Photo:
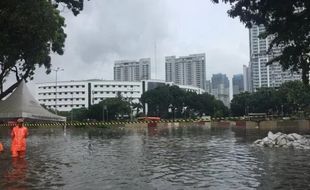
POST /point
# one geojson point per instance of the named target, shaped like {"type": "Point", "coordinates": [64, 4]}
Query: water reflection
{"type": "Point", "coordinates": [15, 178]}
{"type": "Point", "coordinates": [156, 158]}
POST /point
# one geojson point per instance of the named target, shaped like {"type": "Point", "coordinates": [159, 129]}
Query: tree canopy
{"type": "Point", "coordinates": [288, 21]}
{"type": "Point", "coordinates": [30, 30]}
{"type": "Point", "coordinates": [288, 99]}
{"type": "Point", "coordinates": [168, 101]}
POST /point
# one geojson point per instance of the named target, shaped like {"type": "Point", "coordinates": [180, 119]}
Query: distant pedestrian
{"type": "Point", "coordinates": [19, 134]}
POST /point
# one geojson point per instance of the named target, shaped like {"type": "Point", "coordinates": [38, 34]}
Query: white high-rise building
{"type": "Point", "coordinates": [247, 83]}
{"type": "Point", "coordinates": [187, 70]}
{"type": "Point", "coordinates": [220, 88]}
{"type": "Point", "coordinates": [261, 74]}
{"type": "Point", "coordinates": [125, 70]}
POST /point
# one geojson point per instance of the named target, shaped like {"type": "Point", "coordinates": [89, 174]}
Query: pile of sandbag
{"type": "Point", "coordinates": [279, 139]}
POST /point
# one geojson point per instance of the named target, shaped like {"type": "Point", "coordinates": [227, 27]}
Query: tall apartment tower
{"type": "Point", "coordinates": [125, 70]}
{"type": "Point", "coordinates": [187, 70]}
{"type": "Point", "coordinates": [247, 82]}
{"type": "Point", "coordinates": [238, 84]}
{"type": "Point", "coordinates": [220, 88]}
{"type": "Point", "coordinates": [261, 74]}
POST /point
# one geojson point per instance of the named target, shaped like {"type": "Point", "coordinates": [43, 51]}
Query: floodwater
{"type": "Point", "coordinates": [167, 158]}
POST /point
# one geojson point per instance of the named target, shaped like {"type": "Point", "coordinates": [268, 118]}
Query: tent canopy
{"type": "Point", "coordinates": [21, 103]}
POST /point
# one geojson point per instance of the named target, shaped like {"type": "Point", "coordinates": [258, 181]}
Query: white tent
{"type": "Point", "coordinates": [21, 104]}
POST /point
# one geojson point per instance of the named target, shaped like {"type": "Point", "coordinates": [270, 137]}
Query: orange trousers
{"type": "Point", "coordinates": [20, 154]}
{"type": "Point", "coordinates": [1, 147]}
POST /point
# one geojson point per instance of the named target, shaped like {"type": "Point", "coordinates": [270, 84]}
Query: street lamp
{"type": "Point", "coordinates": [56, 71]}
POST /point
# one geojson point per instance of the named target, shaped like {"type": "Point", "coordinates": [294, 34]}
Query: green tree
{"type": "Point", "coordinates": [294, 96]}
{"type": "Point", "coordinates": [240, 104]}
{"type": "Point", "coordinates": [287, 99]}
{"type": "Point", "coordinates": [288, 21]}
{"type": "Point", "coordinates": [30, 30]}
{"type": "Point", "coordinates": [182, 103]}
{"type": "Point", "coordinates": [80, 114]}
{"type": "Point", "coordinates": [115, 107]}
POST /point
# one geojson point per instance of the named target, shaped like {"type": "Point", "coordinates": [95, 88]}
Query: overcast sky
{"type": "Point", "coordinates": [109, 30]}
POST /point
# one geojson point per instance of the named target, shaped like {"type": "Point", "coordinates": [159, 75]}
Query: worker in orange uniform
{"type": "Point", "coordinates": [1, 147]}
{"type": "Point", "coordinates": [19, 134]}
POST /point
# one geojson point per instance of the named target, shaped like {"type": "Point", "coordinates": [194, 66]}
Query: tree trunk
{"type": "Point", "coordinates": [9, 90]}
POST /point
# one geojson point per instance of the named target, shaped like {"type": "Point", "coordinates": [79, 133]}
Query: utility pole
{"type": "Point", "coordinates": [56, 71]}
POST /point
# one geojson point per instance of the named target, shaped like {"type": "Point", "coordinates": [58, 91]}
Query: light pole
{"type": "Point", "coordinates": [56, 71]}
{"type": "Point", "coordinates": [72, 107]}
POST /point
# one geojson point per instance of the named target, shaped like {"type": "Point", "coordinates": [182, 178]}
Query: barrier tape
{"type": "Point", "coordinates": [108, 123]}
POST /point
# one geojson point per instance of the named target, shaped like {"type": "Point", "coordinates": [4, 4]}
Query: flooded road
{"type": "Point", "coordinates": [170, 158]}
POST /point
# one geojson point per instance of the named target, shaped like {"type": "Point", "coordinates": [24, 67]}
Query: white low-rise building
{"type": "Point", "coordinates": [79, 94]}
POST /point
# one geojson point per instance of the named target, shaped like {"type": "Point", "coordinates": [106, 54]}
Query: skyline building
{"type": "Point", "coordinates": [131, 70]}
{"type": "Point", "coordinates": [220, 88]}
{"type": "Point", "coordinates": [261, 74]}
{"type": "Point", "coordinates": [247, 83]}
{"type": "Point", "coordinates": [186, 70]}
{"type": "Point", "coordinates": [208, 86]}
{"type": "Point", "coordinates": [238, 84]}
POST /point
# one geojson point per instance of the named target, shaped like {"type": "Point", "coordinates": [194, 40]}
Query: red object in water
{"type": "Point", "coordinates": [152, 121]}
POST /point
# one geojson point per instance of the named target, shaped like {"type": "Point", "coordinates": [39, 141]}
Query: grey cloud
{"type": "Point", "coordinates": [108, 30]}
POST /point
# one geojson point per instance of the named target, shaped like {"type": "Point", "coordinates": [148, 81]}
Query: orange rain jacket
{"type": "Point", "coordinates": [19, 135]}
